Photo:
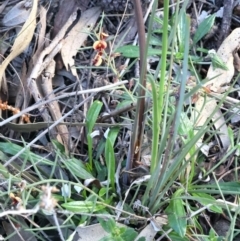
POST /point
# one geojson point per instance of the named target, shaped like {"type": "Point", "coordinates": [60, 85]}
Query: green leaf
{"type": "Point", "coordinates": [110, 155]}
{"type": "Point", "coordinates": [141, 239]}
{"type": "Point", "coordinates": [131, 51]}
{"type": "Point", "coordinates": [159, 22]}
{"type": "Point", "coordinates": [58, 146]}
{"type": "Point", "coordinates": [203, 28]}
{"type": "Point", "coordinates": [226, 188]}
{"type": "Point", "coordinates": [5, 172]}
{"type": "Point", "coordinates": [231, 135]}
{"type": "Point", "coordinates": [107, 224]}
{"type": "Point", "coordinates": [176, 237]}
{"type": "Point", "coordinates": [90, 151]}
{"type": "Point", "coordinates": [77, 168]}
{"type": "Point", "coordinates": [112, 134]}
{"type": "Point", "coordinates": [108, 238]}
{"type": "Point", "coordinates": [93, 114]}
{"type": "Point", "coordinates": [155, 41]}
{"type": "Point", "coordinates": [206, 199]}
{"type": "Point", "coordinates": [110, 161]}
{"type": "Point", "coordinates": [13, 149]}
{"type": "Point", "coordinates": [91, 119]}
{"type": "Point", "coordinates": [82, 206]}
{"type": "Point", "coordinates": [124, 103]}
{"type": "Point", "coordinates": [176, 214]}
{"type": "Point", "coordinates": [181, 33]}
{"type": "Point", "coordinates": [217, 61]}
{"type": "Point", "coordinates": [186, 126]}
{"type": "Point", "coordinates": [129, 234]}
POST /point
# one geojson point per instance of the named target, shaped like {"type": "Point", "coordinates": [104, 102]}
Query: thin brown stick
{"type": "Point", "coordinates": [136, 139]}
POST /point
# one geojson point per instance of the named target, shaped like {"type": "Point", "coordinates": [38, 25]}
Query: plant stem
{"type": "Point", "coordinates": [138, 127]}
{"type": "Point", "coordinates": [161, 85]}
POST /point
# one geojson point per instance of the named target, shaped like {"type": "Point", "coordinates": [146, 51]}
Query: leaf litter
{"type": "Point", "coordinates": [54, 71]}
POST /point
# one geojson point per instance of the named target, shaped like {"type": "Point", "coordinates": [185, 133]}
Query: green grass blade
{"type": "Point", "coordinates": [203, 28]}
{"type": "Point", "coordinates": [77, 168]}
{"type": "Point", "coordinates": [110, 157]}
{"type": "Point", "coordinates": [93, 114]}
{"type": "Point", "coordinates": [91, 119]}
{"type": "Point", "coordinates": [155, 126]}
{"type": "Point", "coordinates": [176, 214]}
{"type": "Point", "coordinates": [13, 149]}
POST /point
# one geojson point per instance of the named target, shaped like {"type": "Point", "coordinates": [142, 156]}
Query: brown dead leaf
{"type": "Point", "coordinates": [219, 77]}
{"type": "Point", "coordinates": [77, 36]}
{"type": "Point", "coordinates": [21, 42]}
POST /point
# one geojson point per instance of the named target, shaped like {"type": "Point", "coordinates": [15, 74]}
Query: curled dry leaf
{"type": "Point", "coordinates": [22, 41]}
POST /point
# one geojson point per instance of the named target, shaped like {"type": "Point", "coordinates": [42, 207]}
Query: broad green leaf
{"type": "Point", "coordinates": [107, 224]}
{"type": "Point", "coordinates": [110, 155]}
{"type": "Point", "coordinates": [206, 199]}
{"type": "Point", "coordinates": [102, 191]}
{"type": "Point", "coordinates": [203, 28]}
{"type": "Point", "coordinates": [93, 114]}
{"type": "Point", "coordinates": [112, 135]}
{"type": "Point", "coordinates": [77, 168]}
{"type": "Point", "coordinates": [129, 234]}
{"type": "Point", "coordinates": [82, 206]}
{"type": "Point", "coordinates": [176, 214]}
{"type": "Point", "coordinates": [155, 41]}
{"type": "Point", "coordinates": [13, 149]}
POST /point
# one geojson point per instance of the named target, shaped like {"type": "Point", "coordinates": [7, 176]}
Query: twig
{"type": "Point", "coordinates": [46, 131]}
{"type": "Point", "coordinates": [51, 50]}
{"type": "Point", "coordinates": [136, 139]}
{"type": "Point", "coordinates": [20, 212]}
{"type": "Point", "coordinates": [41, 102]}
